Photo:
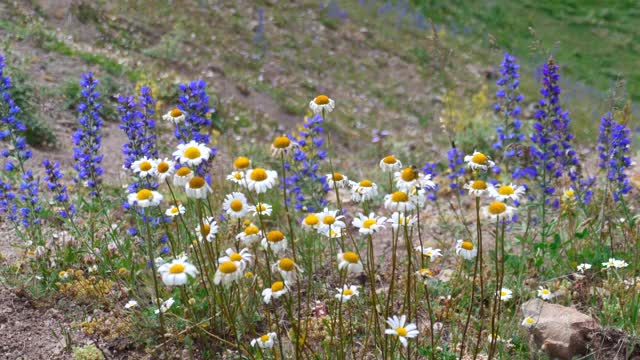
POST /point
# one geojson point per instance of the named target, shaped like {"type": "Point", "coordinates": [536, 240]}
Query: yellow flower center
{"type": "Point", "coordinates": [529, 320]}
{"type": "Point", "coordinates": [321, 100]}
{"type": "Point", "coordinates": [408, 174]}
{"type": "Point", "coordinates": [424, 271]}
{"type": "Point", "coordinates": [503, 293]}
{"type": "Point", "coordinates": [479, 158]}
{"type": "Point", "coordinates": [366, 183]}
{"type": "Point", "coordinates": [286, 264]}
{"type": "Point", "coordinates": [175, 113]}
{"type": "Point", "coordinates": [401, 331]}
{"type": "Point", "coordinates": [390, 160]}
{"type": "Point", "coordinates": [328, 220]}
{"type": "Point", "coordinates": [248, 274]}
{"type": "Point", "coordinates": [479, 185]}
{"type": "Point", "coordinates": [399, 196]}
{"type": "Point", "coordinates": [368, 223]}
{"type": "Point", "coordinates": [162, 167]}
{"type": "Point", "coordinates": [545, 292]}
{"type": "Point", "coordinates": [236, 205]}
{"type": "Point", "coordinates": [251, 230]}
{"type": "Point", "coordinates": [275, 236]}
{"type": "Point", "coordinates": [174, 210]}
{"type": "Point", "coordinates": [311, 220]}
{"type": "Point", "coordinates": [467, 245]}
{"type": "Point", "coordinates": [281, 142]}
{"type": "Point", "coordinates": [235, 257]}
{"type": "Point", "coordinates": [260, 208]}
{"type": "Point", "coordinates": [192, 152]}
{"type": "Point", "coordinates": [241, 162]}
{"type": "Point", "coordinates": [237, 175]}
{"type": "Point", "coordinates": [183, 171]}
{"type": "Point", "coordinates": [228, 267]}
{"type": "Point", "coordinates": [347, 292]}
{"type": "Point", "coordinates": [145, 166]}
{"type": "Point", "coordinates": [569, 193]}
{"type": "Point", "coordinates": [505, 190]}
{"type": "Point", "coordinates": [176, 269]}
{"type": "Point", "coordinates": [196, 183]}
{"type": "Point", "coordinates": [205, 229]}
{"type": "Point", "coordinates": [337, 176]}
{"type": "Point", "coordinates": [259, 174]}
{"type": "Point", "coordinates": [277, 286]}
{"type": "Point", "coordinates": [351, 257]}
{"type": "Point", "coordinates": [497, 208]}
{"type": "Point", "coordinates": [264, 338]}
{"type": "Point", "coordinates": [144, 194]}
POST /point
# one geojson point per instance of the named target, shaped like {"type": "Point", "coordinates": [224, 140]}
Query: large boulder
{"type": "Point", "coordinates": [560, 331]}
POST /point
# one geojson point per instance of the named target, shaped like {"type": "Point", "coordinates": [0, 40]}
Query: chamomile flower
{"type": "Point", "coordinates": [227, 273]}
{"type": "Point", "coordinates": [398, 219]}
{"type": "Point", "coordinates": [505, 294]}
{"type": "Point", "coordinates": [143, 167]}
{"type": "Point", "coordinates": [144, 198]}
{"type": "Point", "coordinates": [568, 195]}
{"type": "Point", "coordinates": [174, 211]}
{"type": "Point", "coordinates": [130, 304]}
{"type": "Point", "coordinates": [498, 210]}
{"type": "Point", "coordinates": [165, 306]}
{"type": "Point", "coordinates": [369, 224]}
{"type": "Point", "coordinates": [235, 205]}
{"type": "Point", "coordinates": [192, 153]}
{"type": "Point", "coordinates": [243, 258]}
{"type": "Point", "coordinates": [544, 293]}
{"type": "Point", "coordinates": [236, 177]}
{"type": "Point", "coordinates": [275, 240]}
{"type": "Point", "coordinates": [249, 235]}
{"type": "Point", "coordinates": [399, 201]}
{"type": "Point", "coordinates": [477, 187]}
{"type": "Point", "coordinates": [241, 163]}
{"type": "Point", "coordinates": [281, 145]}
{"type": "Point", "coordinates": [207, 230]}
{"type": "Point", "coordinates": [288, 269]}
{"type": "Point", "coordinates": [528, 322]}
{"type": "Point", "coordinates": [311, 221]}
{"type": "Point", "coordinates": [261, 209]}
{"type": "Point", "coordinates": [164, 169]}
{"type": "Point", "coordinates": [430, 252]}
{"type": "Point", "coordinates": [350, 261]}
{"type": "Point", "coordinates": [261, 180]}
{"type": "Point", "coordinates": [336, 180]}
{"type": "Point", "coordinates": [175, 116]}
{"type": "Point", "coordinates": [197, 188]}
{"type": "Point", "coordinates": [347, 292]}
{"type": "Point", "coordinates": [321, 104]}
{"type": "Point", "coordinates": [401, 330]}
{"type": "Point", "coordinates": [390, 163]}
{"type": "Point", "coordinates": [363, 191]}
{"type": "Point", "coordinates": [330, 220]}
{"type": "Point", "coordinates": [175, 273]}
{"type": "Point", "coordinates": [277, 289]}
{"type": "Point", "coordinates": [583, 267]}
{"type": "Point", "coordinates": [478, 161]}
{"type": "Point", "coordinates": [614, 263]}
{"type": "Point", "coordinates": [425, 273]}
{"type": "Point", "coordinates": [182, 176]}
{"type": "Point", "coordinates": [410, 178]}
{"type": "Point", "coordinates": [265, 341]}
{"type": "Point", "coordinates": [466, 249]}
{"type": "Point", "coordinates": [504, 192]}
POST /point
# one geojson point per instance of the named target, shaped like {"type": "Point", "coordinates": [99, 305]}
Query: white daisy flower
{"type": "Point", "coordinates": [197, 188]}
{"type": "Point", "coordinates": [466, 249]}
{"type": "Point", "coordinates": [528, 322]}
{"type": "Point", "coordinates": [144, 198]}
{"type": "Point", "coordinates": [330, 221]}
{"type": "Point", "coordinates": [583, 267]}
{"type": "Point", "coordinates": [614, 263]}
{"type": "Point", "coordinates": [250, 235]}
{"type": "Point", "coordinates": [182, 176]}
{"type": "Point", "coordinates": [505, 294]}
{"type": "Point", "coordinates": [227, 273]}
{"type": "Point", "coordinates": [311, 221]}
{"type": "Point", "coordinates": [410, 178]}
{"type": "Point", "coordinates": [164, 169]}
{"type": "Point", "coordinates": [369, 224]}
{"type": "Point", "coordinates": [321, 103]}
{"type": "Point", "coordinates": [399, 201]}
{"type": "Point", "coordinates": [277, 289]}
{"type": "Point", "coordinates": [262, 209]}
{"type": "Point", "coordinates": [350, 261]}
{"type": "Point", "coordinates": [390, 163]}
{"type": "Point", "coordinates": [192, 153]}
{"type": "Point", "coordinates": [241, 163]}
{"type": "Point", "coordinates": [143, 167]}
{"type": "Point", "coordinates": [544, 293]}
{"type": "Point", "coordinates": [363, 191]}
{"type": "Point", "coordinates": [398, 219]}
{"type": "Point", "coordinates": [478, 161]}
{"type": "Point", "coordinates": [265, 341]}
{"type": "Point", "coordinates": [498, 210]}
{"type": "Point", "coordinates": [174, 211]}
{"type": "Point", "coordinates": [243, 258]}
{"type": "Point", "coordinates": [165, 306]}
{"type": "Point", "coordinates": [237, 177]}
{"type": "Point", "coordinates": [288, 269]}
{"type": "Point", "coordinates": [235, 205]}
{"type": "Point", "coordinates": [281, 145]}
{"type": "Point", "coordinates": [130, 304]}
{"type": "Point", "coordinates": [399, 329]}
{"type": "Point", "coordinates": [504, 192]}
{"type": "Point", "coordinates": [430, 252]}
{"type": "Point", "coordinates": [261, 180]}
{"type": "Point", "coordinates": [477, 187]}
{"type": "Point", "coordinates": [337, 180]}
{"type": "Point", "coordinates": [275, 240]}
{"type": "Point", "coordinates": [347, 292]}
{"type": "Point", "coordinates": [207, 230]}
{"type": "Point", "coordinates": [175, 273]}
{"type": "Point", "coordinates": [175, 116]}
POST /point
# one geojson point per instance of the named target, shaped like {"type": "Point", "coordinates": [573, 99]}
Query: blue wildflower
{"type": "Point", "coordinates": [61, 195]}
{"type": "Point", "coordinates": [613, 146]}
